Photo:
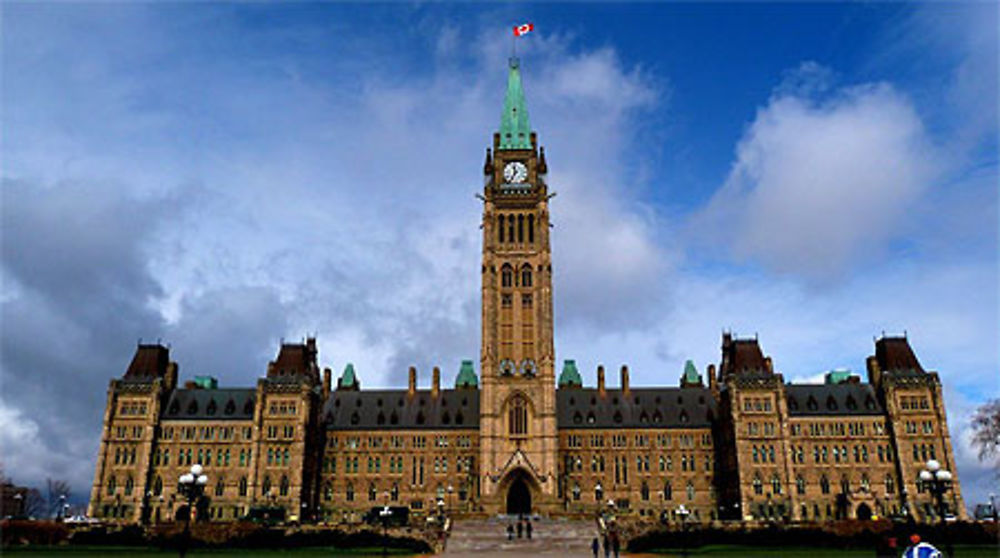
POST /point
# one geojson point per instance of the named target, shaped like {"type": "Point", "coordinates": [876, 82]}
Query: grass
{"type": "Point", "coordinates": [734, 551]}
{"type": "Point", "coordinates": [124, 551]}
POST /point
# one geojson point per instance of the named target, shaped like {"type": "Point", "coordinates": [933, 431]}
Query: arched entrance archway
{"type": "Point", "coordinates": [518, 497]}
{"type": "Point", "coordinates": [864, 512]}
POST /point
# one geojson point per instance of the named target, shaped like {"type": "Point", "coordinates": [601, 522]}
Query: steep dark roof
{"type": "Point", "coordinates": [295, 360]}
{"type": "Point", "coordinates": [838, 399]}
{"type": "Point", "coordinates": [150, 361]}
{"type": "Point", "coordinates": [741, 356]}
{"type": "Point", "coordinates": [210, 404]}
{"type": "Point", "coordinates": [895, 355]}
{"type": "Point", "coordinates": [395, 409]}
{"type": "Point", "coordinates": [643, 408]}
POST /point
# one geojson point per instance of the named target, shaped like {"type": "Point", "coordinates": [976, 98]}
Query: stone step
{"type": "Point", "coordinates": [555, 537]}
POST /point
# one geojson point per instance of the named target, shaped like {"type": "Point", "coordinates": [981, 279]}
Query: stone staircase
{"type": "Point", "coordinates": [554, 537]}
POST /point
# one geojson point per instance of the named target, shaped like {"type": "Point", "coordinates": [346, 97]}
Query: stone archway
{"type": "Point", "coordinates": [518, 497]}
{"type": "Point", "coordinates": [864, 512]}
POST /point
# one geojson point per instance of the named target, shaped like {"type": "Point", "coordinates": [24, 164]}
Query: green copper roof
{"type": "Point", "coordinates": [206, 382]}
{"type": "Point", "coordinates": [466, 376]}
{"type": "Point", "coordinates": [691, 375]}
{"type": "Point", "coordinates": [837, 376]}
{"type": "Point", "coordinates": [570, 376]}
{"type": "Point", "coordinates": [348, 379]}
{"type": "Point", "coordinates": [515, 130]}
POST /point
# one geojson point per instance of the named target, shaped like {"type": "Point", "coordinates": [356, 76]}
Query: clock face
{"type": "Point", "coordinates": [515, 173]}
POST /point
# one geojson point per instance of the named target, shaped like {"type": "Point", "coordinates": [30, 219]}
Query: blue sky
{"type": "Point", "coordinates": [224, 176]}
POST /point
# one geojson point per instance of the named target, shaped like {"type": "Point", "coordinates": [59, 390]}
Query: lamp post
{"type": "Point", "coordinates": [451, 501]}
{"type": "Point", "coordinates": [993, 506]}
{"type": "Point", "coordinates": [385, 513]}
{"type": "Point", "coordinates": [60, 512]}
{"type": "Point", "coordinates": [305, 510]}
{"type": "Point", "coordinates": [192, 486]}
{"type": "Point", "coordinates": [938, 482]}
{"type": "Point", "coordinates": [683, 512]}
{"type": "Point", "coordinates": [20, 503]}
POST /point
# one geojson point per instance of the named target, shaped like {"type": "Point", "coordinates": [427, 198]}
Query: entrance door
{"type": "Point", "coordinates": [518, 498]}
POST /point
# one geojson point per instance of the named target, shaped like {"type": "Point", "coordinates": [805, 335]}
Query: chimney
{"type": "Point", "coordinates": [711, 377]}
{"type": "Point", "coordinates": [625, 388]}
{"type": "Point", "coordinates": [436, 382]}
{"type": "Point", "coordinates": [769, 365]}
{"type": "Point", "coordinates": [600, 381]}
{"type": "Point", "coordinates": [413, 382]}
{"type": "Point", "coordinates": [327, 381]}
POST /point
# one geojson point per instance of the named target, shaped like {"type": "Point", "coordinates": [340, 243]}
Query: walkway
{"type": "Point", "coordinates": [552, 537]}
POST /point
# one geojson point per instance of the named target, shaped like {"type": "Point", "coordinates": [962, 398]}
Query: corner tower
{"type": "Point", "coordinates": [518, 419]}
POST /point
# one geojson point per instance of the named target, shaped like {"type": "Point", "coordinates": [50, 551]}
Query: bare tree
{"type": "Point", "coordinates": [34, 504]}
{"type": "Point", "coordinates": [986, 428]}
{"type": "Point", "coordinates": [57, 493]}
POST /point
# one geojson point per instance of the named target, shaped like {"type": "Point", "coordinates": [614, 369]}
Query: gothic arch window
{"type": "Point", "coordinates": [381, 418]}
{"type": "Point", "coordinates": [506, 276]}
{"type": "Point", "coordinates": [212, 407]}
{"type": "Point", "coordinates": [831, 403]}
{"type": "Point", "coordinates": [112, 485]}
{"type": "Point", "coordinates": [230, 407]}
{"type": "Point", "coordinates": [193, 407]}
{"type": "Point", "coordinates": [668, 491]}
{"type": "Point", "coordinates": [510, 228]}
{"type": "Point", "coordinates": [243, 486]}
{"type": "Point", "coordinates": [129, 484]}
{"type": "Point", "coordinates": [577, 418]}
{"type": "Point", "coordinates": [811, 403]}
{"type": "Point", "coordinates": [393, 418]}
{"type": "Point", "coordinates": [684, 416]}
{"type": "Point", "coordinates": [824, 485]}
{"type": "Point", "coordinates": [520, 228]}
{"type": "Point", "coordinates": [618, 416]}
{"type": "Point", "coordinates": [800, 484]}
{"type": "Point", "coordinates": [758, 486]}
{"type": "Point", "coordinates": [657, 416]}
{"type": "Point", "coordinates": [349, 492]}
{"type": "Point", "coordinates": [283, 488]}
{"type": "Point", "coordinates": [526, 275]}
{"type": "Point", "coordinates": [531, 229]}
{"type": "Point", "coordinates": [793, 405]}
{"type": "Point", "coordinates": [776, 484]}
{"type": "Point", "coordinates": [591, 419]}
{"type": "Point", "coordinates": [355, 417]}
{"type": "Point", "coordinates": [845, 485]}
{"type": "Point", "coordinates": [220, 487]}
{"type": "Point", "coordinates": [175, 407]}
{"type": "Point", "coordinates": [500, 229]}
{"type": "Point", "coordinates": [158, 486]}
{"type": "Point", "coordinates": [851, 403]}
{"type": "Point", "coordinates": [445, 418]}
{"type": "Point", "coordinates": [248, 408]}
{"type": "Point", "coordinates": [459, 418]}
{"type": "Point", "coordinates": [517, 416]}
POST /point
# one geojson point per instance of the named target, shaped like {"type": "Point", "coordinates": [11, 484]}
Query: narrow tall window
{"type": "Point", "coordinates": [520, 228]}
{"type": "Point", "coordinates": [531, 229]}
{"type": "Point", "coordinates": [507, 276]}
{"type": "Point", "coordinates": [518, 416]}
{"type": "Point", "coordinates": [284, 486]}
{"type": "Point", "coordinates": [500, 229]}
{"type": "Point", "coordinates": [526, 276]}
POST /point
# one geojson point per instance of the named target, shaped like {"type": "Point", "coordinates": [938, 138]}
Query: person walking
{"type": "Point", "coordinates": [510, 532]}
{"type": "Point", "coordinates": [528, 527]}
{"type": "Point", "coordinates": [615, 543]}
{"type": "Point", "coordinates": [520, 528]}
{"type": "Point", "coordinates": [595, 546]}
{"type": "Point", "coordinates": [607, 546]}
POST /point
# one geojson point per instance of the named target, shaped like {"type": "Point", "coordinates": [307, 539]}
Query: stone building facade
{"type": "Point", "coordinates": [744, 445]}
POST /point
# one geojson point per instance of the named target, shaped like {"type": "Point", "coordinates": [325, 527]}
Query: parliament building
{"type": "Point", "coordinates": [736, 442]}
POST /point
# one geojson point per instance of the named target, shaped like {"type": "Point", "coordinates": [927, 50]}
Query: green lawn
{"type": "Point", "coordinates": [123, 552]}
{"type": "Point", "coordinates": [732, 551]}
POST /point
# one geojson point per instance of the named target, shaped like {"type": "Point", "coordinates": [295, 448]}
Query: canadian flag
{"type": "Point", "coordinates": [523, 29]}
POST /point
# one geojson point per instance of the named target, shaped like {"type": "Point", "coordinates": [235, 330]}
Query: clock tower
{"type": "Point", "coordinates": [518, 436]}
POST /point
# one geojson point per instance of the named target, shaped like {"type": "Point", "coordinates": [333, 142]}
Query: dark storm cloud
{"type": "Point", "coordinates": [73, 257]}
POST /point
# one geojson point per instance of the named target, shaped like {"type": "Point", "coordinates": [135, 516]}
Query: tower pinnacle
{"type": "Point", "coordinates": [515, 129]}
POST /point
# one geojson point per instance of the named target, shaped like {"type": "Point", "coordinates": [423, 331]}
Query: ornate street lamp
{"type": "Point", "coordinates": [385, 513]}
{"type": "Point", "coordinates": [993, 506]}
{"type": "Point", "coordinates": [938, 482]}
{"type": "Point", "coordinates": [60, 512]}
{"type": "Point", "coordinates": [192, 486]}
{"type": "Point", "coordinates": [451, 502]}
{"type": "Point", "coordinates": [683, 513]}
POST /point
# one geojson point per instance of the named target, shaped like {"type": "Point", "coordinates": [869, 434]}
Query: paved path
{"type": "Point", "coordinates": [550, 537]}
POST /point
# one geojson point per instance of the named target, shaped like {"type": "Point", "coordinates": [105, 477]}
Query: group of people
{"type": "Point", "coordinates": [611, 545]}
{"type": "Point", "coordinates": [523, 527]}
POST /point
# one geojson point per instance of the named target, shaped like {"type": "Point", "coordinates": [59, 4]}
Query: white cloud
{"type": "Point", "coordinates": [822, 187]}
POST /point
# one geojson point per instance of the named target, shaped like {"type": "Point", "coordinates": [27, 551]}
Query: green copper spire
{"type": "Point", "coordinates": [570, 376]}
{"type": "Point", "coordinates": [348, 380]}
{"type": "Point", "coordinates": [466, 376]}
{"type": "Point", "coordinates": [515, 130]}
{"type": "Point", "coordinates": [690, 376]}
